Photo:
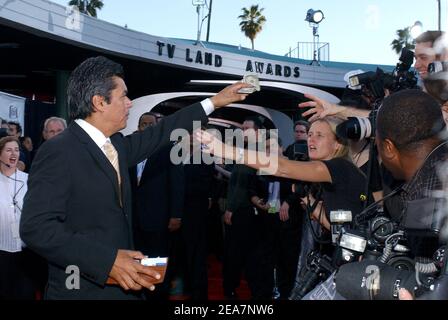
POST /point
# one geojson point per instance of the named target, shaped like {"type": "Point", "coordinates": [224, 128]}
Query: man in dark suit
{"type": "Point", "coordinates": [77, 212]}
{"type": "Point", "coordinates": [157, 203]}
{"type": "Point", "coordinates": [198, 188]}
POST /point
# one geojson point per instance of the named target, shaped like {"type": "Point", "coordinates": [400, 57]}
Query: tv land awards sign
{"type": "Point", "coordinates": [207, 58]}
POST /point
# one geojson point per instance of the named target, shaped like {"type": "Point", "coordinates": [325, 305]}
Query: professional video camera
{"type": "Point", "coordinates": [373, 85]}
{"type": "Point", "coordinates": [318, 268]}
{"type": "Point", "coordinates": [374, 237]}
{"type": "Point", "coordinates": [375, 280]}
{"type": "Point", "coordinates": [388, 264]}
{"type": "Point", "coordinates": [349, 246]}
{"type": "Point", "coordinates": [300, 151]}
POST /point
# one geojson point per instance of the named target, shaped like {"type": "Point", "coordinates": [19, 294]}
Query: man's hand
{"type": "Point", "coordinates": [126, 271]}
{"type": "Point", "coordinates": [260, 204]}
{"type": "Point", "coordinates": [174, 224]}
{"type": "Point", "coordinates": [228, 217]}
{"type": "Point", "coordinates": [284, 211]}
{"type": "Point", "coordinates": [229, 95]}
{"type": "Point", "coordinates": [319, 108]}
{"type": "Point", "coordinates": [404, 294]}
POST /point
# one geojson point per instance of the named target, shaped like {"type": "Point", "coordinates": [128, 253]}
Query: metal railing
{"type": "Point", "coordinates": [305, 51]}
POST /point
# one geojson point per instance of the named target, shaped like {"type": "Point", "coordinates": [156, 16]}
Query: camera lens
{"type": "Point", "coordinates": [402, 263]}
{"type": "Point", "coordinates": [381, 227]}
{"type": "Point", "coordinates": [355, 128]}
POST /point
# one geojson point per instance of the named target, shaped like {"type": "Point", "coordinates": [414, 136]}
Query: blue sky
{"type": "Point", "coordinates": [357, 30]}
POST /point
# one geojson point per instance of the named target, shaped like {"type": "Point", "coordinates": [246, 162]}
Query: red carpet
{"type": "Point", "coordinates": [215, 289]}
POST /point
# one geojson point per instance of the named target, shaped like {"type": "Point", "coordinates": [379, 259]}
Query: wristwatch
{"type": "Point", "coordinates": [240, 156]}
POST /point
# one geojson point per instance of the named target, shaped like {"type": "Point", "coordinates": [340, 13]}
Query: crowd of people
{"type": "Point", "coordinates": [94, 199]}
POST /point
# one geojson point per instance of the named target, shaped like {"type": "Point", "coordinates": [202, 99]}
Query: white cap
{"type": "Point", "coordinates": [351, 74]}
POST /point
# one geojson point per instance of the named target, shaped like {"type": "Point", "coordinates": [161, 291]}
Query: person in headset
{"type": "Point", "coordinates": [15, 276]}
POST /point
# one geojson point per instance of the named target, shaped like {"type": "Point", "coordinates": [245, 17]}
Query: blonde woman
{"type": "Point", "coordinates": [342, 183]}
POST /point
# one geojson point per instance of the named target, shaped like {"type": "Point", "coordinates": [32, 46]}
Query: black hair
{"type": "Point", "coordinates": [429, 36]}
{"type": "Point", "coordinates": [18, 126]}
{"type": "Point", "coordinates": [258, 123]}
{"type": "Point", "coordinates": [409, 117]}
{"type": "Point", "coordinates": [304, 123]}
{"type": "Point", "coordinates": [149, 113]}
{"type": "Point", "coordinates": [92, 77]}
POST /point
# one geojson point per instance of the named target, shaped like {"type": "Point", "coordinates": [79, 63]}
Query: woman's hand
{"type": "Point", "coordinates": [211, 144]}
{"type": "Point", "coordinates": [319, 108]}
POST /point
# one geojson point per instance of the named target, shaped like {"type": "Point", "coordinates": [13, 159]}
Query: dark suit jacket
{"type": "Point", "coordinates": [72, 215]}
{"type": "Point", "coordinates": [198, 188]}
{"type": "Point", "coordinates": [160, 194]}
{"type": "Point", "coordinates": [261, 188]}
{"type": "Point", "coordinates": [241, 182]}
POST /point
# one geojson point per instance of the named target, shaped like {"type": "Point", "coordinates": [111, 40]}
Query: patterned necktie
{"type": "Point", "coordinates": [112, 155]}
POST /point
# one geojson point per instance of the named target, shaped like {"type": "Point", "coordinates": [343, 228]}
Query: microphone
{"type": "Point", "coordinates": [6, 164]}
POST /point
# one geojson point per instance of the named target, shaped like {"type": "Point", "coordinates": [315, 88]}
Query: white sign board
{"type": "Point", "coordinates": [12, 108]}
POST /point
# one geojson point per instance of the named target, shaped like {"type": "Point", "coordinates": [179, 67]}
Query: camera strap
{"type": "Point", "coordinates": [309, 211]}
{"type": "Point", "coordinates": [366, 213]}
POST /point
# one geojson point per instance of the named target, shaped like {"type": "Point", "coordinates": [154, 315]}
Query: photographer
{"type": "Point", "coordinates": [362, 152]}
{"type": "Point", "coordinates": [411, 141]}
{"type": "Point", "coordinates": [425, 52]}
{"type": "Point", "coordinates": [297, 150]}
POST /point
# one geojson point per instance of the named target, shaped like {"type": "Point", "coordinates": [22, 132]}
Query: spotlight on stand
{"type": "Point", "coordinates": [314, 17]}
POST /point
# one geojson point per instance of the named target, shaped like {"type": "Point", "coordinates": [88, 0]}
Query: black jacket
{"type": "Point", "coordinates": [72, 214]}
{"type": "Point", "coordinates": [160, 194]}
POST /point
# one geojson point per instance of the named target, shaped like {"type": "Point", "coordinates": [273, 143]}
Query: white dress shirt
{"type": "Point", "coordinates": [97, 136]}
{"type": "Point", "coordinates": [274, 197]}
{"type": "Point", "coordinates": [13, 190]}
{"type": "Point", "coordinates": [140, 168]}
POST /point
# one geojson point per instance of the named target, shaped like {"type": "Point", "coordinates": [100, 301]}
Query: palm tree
{"type": "Point", "coordinates": [404, 40]}
{"type": "Point", "coordinates": [92, 6]}
{"type": "Point", "coordinates": [252, 22]}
